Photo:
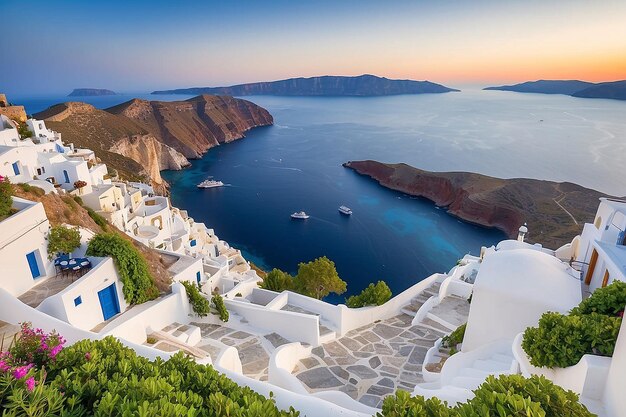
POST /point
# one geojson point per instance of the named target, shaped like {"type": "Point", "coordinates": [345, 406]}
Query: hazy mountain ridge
{"type": "Point", "coordinates": [494, 202]}
{"type": "Point", "coordinates": [86, 92]}
{"type": "Point", "coordinates": [328, 85]}
{"type": "Point", "coordinates": [610, 90]}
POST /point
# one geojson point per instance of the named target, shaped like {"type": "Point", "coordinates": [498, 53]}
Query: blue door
{"type": "Point", "coordinates": [32, 263]}
{"type": "Point", "coordinates": [109, 302]}
{"type": "Point", "coordinates": [16, 168]}
{"type": "Point", "coordinates": [67, 177]}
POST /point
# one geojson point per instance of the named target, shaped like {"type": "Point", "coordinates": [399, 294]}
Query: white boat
{"type": "Point", "coordinates": [299, 215]}
{"type": "Point", "coordinates": [345, 210]}
{"type": "Point", "coordinates": [210, 184]}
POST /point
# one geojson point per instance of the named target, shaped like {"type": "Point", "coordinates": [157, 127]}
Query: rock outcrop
{"type": "Point", "coordinates": [615, 90]}
{"type": "Point", "coordinates": [140, 138]}
{"type": "Point", "coordinates": [86, 92]}
{"type": "Point", "coordinates": [555, 212]}
{"type": "Point", "coordinates": [328, 85]}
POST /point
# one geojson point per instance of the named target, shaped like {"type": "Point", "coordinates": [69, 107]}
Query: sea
{"type": "Point", "coordinates": [296, 164]}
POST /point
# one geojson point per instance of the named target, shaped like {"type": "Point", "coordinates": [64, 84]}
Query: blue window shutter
{"type": "Point", "coordinates": [32, 263]}
{"type": "Point", "coordinates": [192, 243]}
{"type": "Point", "coordinates": [67, 177]}
{"type": "Point", "coordinates": [198, 277]}
{"type": "Point", "coordinates": [16, 168]}
{"type": "Point", "coordinates": [78, 301]}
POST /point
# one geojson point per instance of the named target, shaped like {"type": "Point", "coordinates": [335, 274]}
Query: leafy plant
{"type": "Point", "coordinates": [218, 302]}
{"type": "Point", "coordinates": [138, 283]}
{"type": "Point", "coordinates": [373, 295]}
{"type": "Point", "coordinates": [23, 130]}
{"type": "Point", "coordinates": [6, 196]}
{"type": "Point", "coordinates": [452, 340]}
{"type": "Point", "coordinates": [319, 278]}
{"type": "Point", "coordinates": [609, 300]}
{"type": "Point", "coordinates": [199, 303]}
{"type": "Point", "coordinates": [403, 405]}
{"type": "Point", "coordinates": [277, 280]}
{"type": "Point", "coordinates": [98, 219]}
{"type": "Point", "coordinates": [62, 239]}
{"type": "Point", "coordinates": [31, 189]}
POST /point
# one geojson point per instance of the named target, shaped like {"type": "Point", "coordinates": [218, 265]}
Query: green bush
{"type": "Point", "coordinates": [104, 378]}
{"type": "Point", "coordinates": [62, 239]}
{"type": "Point", "coordinates": [98, 219]}
{"type": "Point", "coordinates": [78, 200]}
{"type": "Point", "coordinates": [374, 295]}
{"type": "Point", "coordinates": [32, 189]}
{"type": "Point", "coordinates": [609, 300]}
{"type": "Point", "coordinates": [506, 395]}
{"type": "Point", "coordinates": [590, 328]}
{"type": "Point", "coordinates": [218, 302]}
{"type": "Point", "coordinates": [319, 278]}
{"type": "Point", "coordinates": [138, 283]}
{"type": "Point", "coordinates": [277, 280]}
{"type": "Point", "coordinates": [199, 303]}
{"type": "Point", "coordinates": [6, 196]}
{"type": "Point", "coordinates": [453, 339]}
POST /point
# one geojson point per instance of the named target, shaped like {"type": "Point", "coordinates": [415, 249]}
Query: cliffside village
{"type": "Point", "coordinates": [319, 357]}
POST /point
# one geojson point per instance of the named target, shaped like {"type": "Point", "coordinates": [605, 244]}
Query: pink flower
{"type": "Point", "coordinates": [88, 356]}
{"type": "Point", "coordinates": [55, 350]}
{"type": "Point", "coordinates": [4, 366]}
{"type": "Point", "coordinates": [30, 384]}
{"type": "Point", "coordinates": [20, 372]}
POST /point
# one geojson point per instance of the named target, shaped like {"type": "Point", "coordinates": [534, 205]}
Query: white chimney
{"type": "Point", "coordinates": [523, 230]}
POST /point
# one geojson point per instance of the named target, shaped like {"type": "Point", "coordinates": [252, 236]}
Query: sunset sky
{"type": "Point", "coordinates": [133, 46]}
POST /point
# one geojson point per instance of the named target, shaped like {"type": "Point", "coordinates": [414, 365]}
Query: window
{"type": "Point", "coordinates": [16, 168]}
{"type": "Point", "coordinates": [198, 277]}
{"type": "Point", "coordinates": [67, 177]}
{"type": "Point", "coordinates": [192, 243]}
{"type": "Point", "coordinates": [78, 301]}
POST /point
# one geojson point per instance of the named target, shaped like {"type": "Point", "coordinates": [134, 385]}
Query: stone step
{"type": "Point", "coordinates": [467, 382]}
{"type": "Point", "coordinates": [503, 358]}
{"type": "Point", "coordinates": [427, 322]}
{"type": "Point", "coordinates": [491, 365]}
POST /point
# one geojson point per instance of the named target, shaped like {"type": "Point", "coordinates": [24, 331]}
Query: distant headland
{"type": "Point", "coordinates": [328, 85]}
{"type": "Point", "coordinates": [615, 90]}
{"type": "Point", "coordinates": [87, 92]}
{"type": "Point", "coordinates": [554, 211]}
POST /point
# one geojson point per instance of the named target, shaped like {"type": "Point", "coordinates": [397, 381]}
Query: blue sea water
{"type": "Point", "coordinates": [296, 165]}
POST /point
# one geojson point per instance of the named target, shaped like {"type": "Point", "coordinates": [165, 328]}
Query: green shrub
{"type": "Point", "coordinates": [98, 219]}
{"type": "Point", "coordinates": [453, 339]}
{"type": "Point", "coordinates": [6, 196]}
{"type": "Point", "coordinates": [319, 278]}
{"type": "Point", "coordinates": [199, 304]}
{"type": "Point", "coordinates": [78, 200]}
{"type": "Point", "coordinates": [218, 302]}
{"type": "Point", "coordinates": [62, 239]}
{"type": "Point", "coordinates": [403, 405]}
{"type": "Point", "coordinates": [138, 283]}
{"type": "Point", "coordinates": [277, 280]}
{"type": "Point", "coordinates": [609, 300]}
{"type": "Point", "coordinates": [32, 189]}
{"type": "Point", "coordinates": [23, 130]}
{"type": "Point", "coordinates": [373, 295]}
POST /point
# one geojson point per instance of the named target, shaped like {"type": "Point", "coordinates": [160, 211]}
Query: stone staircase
{"type": "Point", "coordinates": [419, 300]}
{"type": "Point", "coordinates": [472, 376]}
{"type": "Point", "coordinates": [451, 312]}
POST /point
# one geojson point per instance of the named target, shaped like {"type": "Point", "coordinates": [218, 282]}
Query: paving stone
{"type": "Point", "coordinates": [404, 351]}
{"type": "Point", "coordinates": [276, 340]}
{"type": "Point", "coordinates": [361, 340]}
{"type": "Point", "coordinates": [367, 348]}
{"type": "Point", "coordinates": [417, 355]}
{"type": "Point", "coordinates": [329, 361]}
{"type": "Point", "coordinates": [351, 344]}
{"type": "Point", "coordinates": [369, 400]}
{"type": "Point", "coordinates": [229, 342]}
{"type": "Point", "coordinates": [240, 335]}
{"type": "Point", "coordinates": [335, 349]}
{"type": "Point", "coordinates": [363, 355]}
{"type": "Point", "coordinates": [385, 331]}
{"type": "Point", "coordinates": [346, 360]}
{"type": "Point", "coordinates": [221, 332]}
{"type": "Point", "coordinates": [375, 362]}
{"type": "Point", "coordinates": [411, 377]}
{"type": "Point", "coordinates": [351, 390]}
{"type": "Point", "coordinates": [380, 391]}
{"type": "Point", "coordinates": [318, 378]}
{"type": "Point", "coordinates": [392, 361]}
{"type": "Point", "coordinates": [353, 381]}
{"type": "Point", "coordinates": [252, 353]}
{"type": "Point", "coordinates": [382, 349]}
{"type": "Point", "coordinates": [340, 372]}
{"type": "Point", "coordinates": [255, 367]}
{"type": "Point", "coordinates": [413, 368]}
{"type": "Point", "coordinates": [388, 375]}
{"type": "Point", "coordinates": [370, 337]}
{"type": "Point", "coordinates": [362, 371]}
{"type": "Point", "coordinates": [318, 351]}
{"type": "Point", "coordinates": [386, 382]}
{"type": "Point", "coordinates": [310, 362]}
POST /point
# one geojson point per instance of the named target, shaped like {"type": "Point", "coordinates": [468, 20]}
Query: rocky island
{"type": "Point", "coordinates": [139, 138]}
{"type": "Point", "coordinates": [362, 85]}
{"type": "Point", "coordinates": [611, 90]}
{"type": "Point", "coordinates": [555, 212]}
{"type": "Point", "coordinates": [88, 92]}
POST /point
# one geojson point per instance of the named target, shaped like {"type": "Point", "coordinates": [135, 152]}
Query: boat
{"type": "Point", "coordinates": [210, 184]}
{"type": "Point", "coordinates": [345, 210]}
{"type": "Point", "coordinates": [300, 215]}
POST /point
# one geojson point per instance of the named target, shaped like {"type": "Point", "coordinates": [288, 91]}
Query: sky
{"type": "Point", "coordinates": [50, 47]}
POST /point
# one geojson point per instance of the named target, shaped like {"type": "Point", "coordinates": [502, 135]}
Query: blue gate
{"type": "Point", "coordinates": [32, 263]}
{"type": "Point", "coordinates": [109, 302]}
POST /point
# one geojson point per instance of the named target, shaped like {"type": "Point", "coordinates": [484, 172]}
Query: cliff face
{"type": "Point", "coordinates": [83, 92]}
{"type": "Point", "coordinates": [363, 85]}
{"type": "Point", "coordinates": [615, 90]}
{"type": "Point", "coordinates": [555, 212]}
{"type": "Point", "coordinates": [139, 138]}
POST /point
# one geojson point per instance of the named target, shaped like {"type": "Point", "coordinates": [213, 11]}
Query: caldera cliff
{"type": "Point", "coordinates": [140, 138]}
{"type": "Point", "coordinates": [555, 212]}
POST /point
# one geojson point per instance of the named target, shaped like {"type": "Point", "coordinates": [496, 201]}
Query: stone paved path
{"type": "Point", "coordinates": [254, 350]}
{"type": "Point", "coordinates": [371, 362]}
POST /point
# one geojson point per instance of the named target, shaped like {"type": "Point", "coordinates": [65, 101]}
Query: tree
{"type": "Point", "coordinates": [277, 280]}
{"type": "Point", "coordinates": [6, 196]}
{"type": "Point", "coordinates": [63, 239]}
{"type": "Point", "coordinates": [373, 295]}
{"type": "Point", "coordinates": [319, 278]}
